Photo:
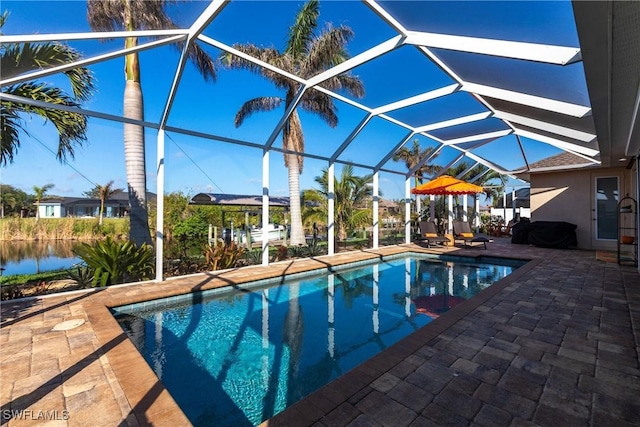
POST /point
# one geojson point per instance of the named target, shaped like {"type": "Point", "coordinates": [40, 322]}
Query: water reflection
{"type": "Point", "coordinates": [28, 257]}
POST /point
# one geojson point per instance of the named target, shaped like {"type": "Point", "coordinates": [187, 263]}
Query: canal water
{"type": "Point", "coordinates": [29, 257]}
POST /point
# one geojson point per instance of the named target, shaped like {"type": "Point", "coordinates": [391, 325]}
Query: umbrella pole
{"type": "Point", "coordinates": [464, 208]}
{"type": "Point", "coordinates": [450, 216]}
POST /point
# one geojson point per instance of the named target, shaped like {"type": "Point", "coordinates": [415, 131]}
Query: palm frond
{"type": "Point", "coordinates": [150, 15]}
{"type": "Point", "coordinates": [326, 50]}
{"type": "Point", "coordinates": [410, 156]}
{"type": "Point", "coordinates": [323, 181]}
{"type": "Point", "coordinates": [40, 192]}
{"type": "Point", "coordinates": [105, 15]}
{"type": "Point", "coordinates": [301, 32]}
{"type": "Point", "coordinates": [347, 83]}
{"type": "Point", "coordinates": [457, 169]}
{"type": "Point", "coordinates": [321, 104]}
{"type": "Point", "coordinates": [3, 19]}
{"type": "Point", "coordinates": [10, 128]}
{"type": "Point", "coordinates": [112, 15]}
{"type": "Point", "coordinates": [414, 155]}
{"type": "Point", "coordinates": [351, 195]}
{"type": "Point", "coordinates": [359, 217]}
{"type": "Point", "coordinates": [268, 55]}
{"type": "Point", "coordinates": [71, 126]}
{"type": "Point", "coordinates": [26, 57]}
{"type": "Point", "coordinates": [107, 190]}
{"type": "Point", "coordinates": [22, 58]}
{"type": "Point", "coordinates": [305, 55]}
{"type": "Point", "coordinates": [263, 103]}
{"type": "Point", "coordinates": [203, 62]}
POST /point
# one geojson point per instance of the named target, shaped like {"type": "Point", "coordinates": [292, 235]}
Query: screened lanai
{"type": "Point", "coordinates": [500, 85]}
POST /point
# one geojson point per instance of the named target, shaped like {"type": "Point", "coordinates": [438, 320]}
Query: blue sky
{"type": "Point", "coordinates": [195, 165]}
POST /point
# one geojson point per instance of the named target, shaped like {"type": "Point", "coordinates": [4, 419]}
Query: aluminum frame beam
{"type": "Point", "coordinates": [551, 54]}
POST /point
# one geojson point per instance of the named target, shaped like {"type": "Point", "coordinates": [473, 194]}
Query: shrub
{"type": "Point", "coordinates": [297, 251]}
{"type": "Point", "coordinates": [179, 259]}
{"type": "Point", "coordinates": [194, 227]}
{"type": "Point", "coordinates": [282, 253]}
{"type": "Point", "coordinates": [114, 262]}
{"type": "Point", "coordinates": [254, 256]}
{"type": "Point", "coordinates": [315, 248]}
{"type": "Point", "coordinates": [83, 276]}
{"type": "Point", "coordinates": [220, 256]}
{"type": "Point", "coordinates": [11, 292]}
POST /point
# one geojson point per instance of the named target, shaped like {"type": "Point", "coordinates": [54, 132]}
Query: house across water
{"type": "Point", "coordinates": [117, 206]}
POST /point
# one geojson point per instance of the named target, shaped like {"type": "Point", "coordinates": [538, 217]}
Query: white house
{"type": "Point", "coordinates": [116, 206]}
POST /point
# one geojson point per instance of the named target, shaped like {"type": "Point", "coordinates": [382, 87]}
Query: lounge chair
{"type": "Point", "coordinates": [462, 231]}
{"type": "Point", "coordinates": [429, 234]}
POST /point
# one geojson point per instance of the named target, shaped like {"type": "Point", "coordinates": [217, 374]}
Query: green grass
{"type": "Point", "coordinates": [21, 279]}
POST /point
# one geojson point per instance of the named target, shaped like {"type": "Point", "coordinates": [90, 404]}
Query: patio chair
{"type": "Point", "coordinates": [506, 229]}
{"type": "Point", "coordinates": [462, 231]}
{"type": "Point", "coordinates": [429, 234]}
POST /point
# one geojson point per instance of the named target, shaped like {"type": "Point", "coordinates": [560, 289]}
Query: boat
{"type": "Point", "coordinates": [274, 232]}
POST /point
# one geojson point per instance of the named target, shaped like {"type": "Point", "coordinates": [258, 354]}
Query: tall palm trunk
{"type": "Point", "coordinates": [418, 204]}
{"type": "Point", "coordinates": [134, 150]}
{"type": "Point", "coordinates": [293, 168]}
{"type": "Point", "coordinates": [135, 165]}
{"type": "Point", "coordinates": [342, 233]}
{"type": "Point", "coordinates": [293, 139]}
{"type": "Point", "coordinates": [101, 211]}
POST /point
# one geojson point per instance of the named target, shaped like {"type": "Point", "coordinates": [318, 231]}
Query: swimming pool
{"type": "Point", "coordinates": [239, 356]}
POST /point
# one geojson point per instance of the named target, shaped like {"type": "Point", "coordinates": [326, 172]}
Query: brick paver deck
{"type": "Point", "coordinates": [554, 344]}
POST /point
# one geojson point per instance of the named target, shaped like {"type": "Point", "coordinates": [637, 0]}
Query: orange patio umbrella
{"type": "Point", "coordinates": [435, 186]}
{"type": "Point", "coordinates": [462, 188]}
{"type": "Point", "coordinates": [445, 185]}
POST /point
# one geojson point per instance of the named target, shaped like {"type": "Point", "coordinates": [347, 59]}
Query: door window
{"type": "Point", "coordinates": [607, 196]}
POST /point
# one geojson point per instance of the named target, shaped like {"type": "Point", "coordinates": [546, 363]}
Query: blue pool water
{"type": "Point", "coordinates": [238, 357]}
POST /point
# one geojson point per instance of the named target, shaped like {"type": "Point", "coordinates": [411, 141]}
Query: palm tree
{"type": "Point", "coordinates": [490, 191]}
{"type": "Point", "coordinates": [39, 193]}
{"type": "Point", "coordinates": [17, 59]}
{"type": "Point", "coordinates": [352, 193]}
{"type": "Point", "coordinates": [493, 192]}
{"type": "Point", "coordinates": [456, 172]}
{"type": "Point", "coordinates": [111, 15]}
{"type": "Point", "coordinates": [94, 193]}
{"type": "Point", "coordinates": [104, 193]}
{"type": "Point", "coordinates": [305, 55]}
{"type": "Point", "coordinates": [10, 198]}
{"type": "Point", "coordinates": [411, 157]}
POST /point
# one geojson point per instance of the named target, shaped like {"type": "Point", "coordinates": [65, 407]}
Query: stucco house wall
{"type": "Point", "coordinates": [50, 210]}
{"type": "Point", "coordinates": [570, 196]}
